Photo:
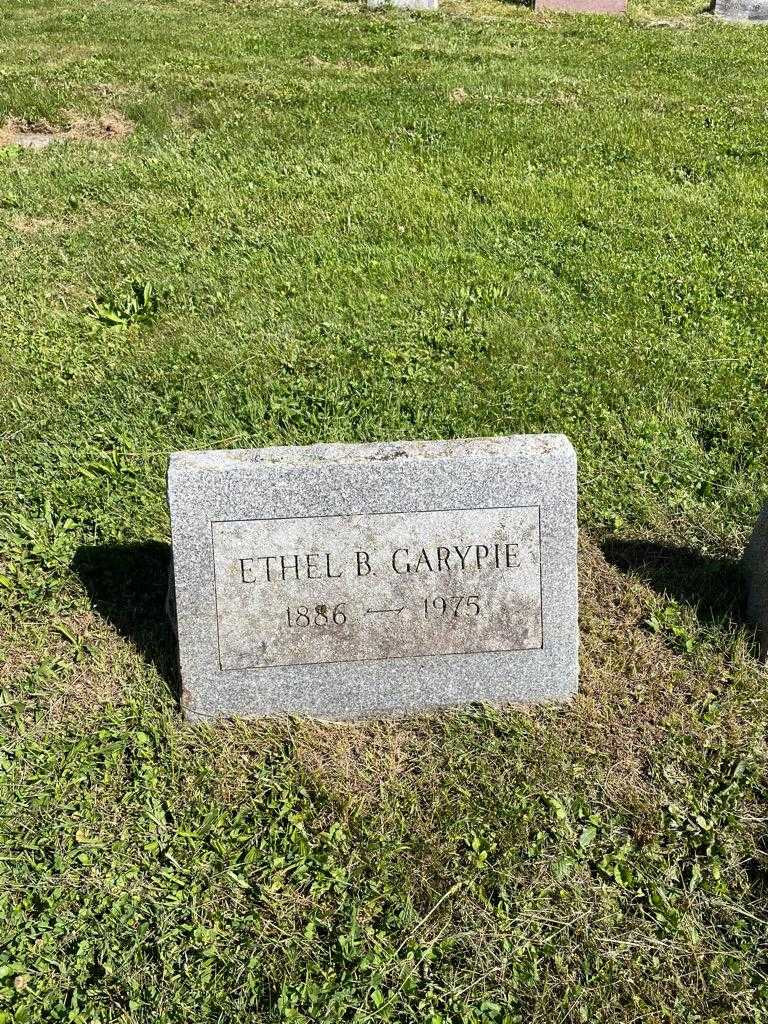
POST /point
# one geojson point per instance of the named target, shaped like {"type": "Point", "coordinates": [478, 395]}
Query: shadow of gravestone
{"type": "Point", "coordinates": [127, 586]}
{"type": "Point", "coordinates": [713, 586]}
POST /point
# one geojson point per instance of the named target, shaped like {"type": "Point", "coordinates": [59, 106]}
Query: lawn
{"type": "Point", "coordinates": [290, 221]}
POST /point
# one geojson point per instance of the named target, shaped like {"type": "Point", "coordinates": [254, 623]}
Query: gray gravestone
{"type": "Point", "coordinates": [742, 10]}
{"type": "Point", "coordinates": [348, 580]}
{"type": "Point", "coordinates": [755, 566]}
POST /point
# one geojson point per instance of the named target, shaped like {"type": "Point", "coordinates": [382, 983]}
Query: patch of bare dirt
{"type": "Point", "coordinates": [110, 127]}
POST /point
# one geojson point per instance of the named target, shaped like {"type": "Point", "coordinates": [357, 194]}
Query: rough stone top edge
{"type": "Point", "coordinates": [534, 446]}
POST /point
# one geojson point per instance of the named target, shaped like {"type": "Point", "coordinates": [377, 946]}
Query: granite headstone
{"type": "Point", "coordinates": [340, 581]}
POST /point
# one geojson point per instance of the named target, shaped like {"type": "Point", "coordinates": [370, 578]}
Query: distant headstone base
{"type": "Point", "coordinates": [582, 6]}
{"type": "Point", "coordinates": [408, 5]}
{"type": "Point", "coordinates": [742, 10]}
{"type": "Point", "coordinates": [755, 567]}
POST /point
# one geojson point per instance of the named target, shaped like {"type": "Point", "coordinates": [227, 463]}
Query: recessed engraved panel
{"type": "Point", "coordinates": [373, 587]}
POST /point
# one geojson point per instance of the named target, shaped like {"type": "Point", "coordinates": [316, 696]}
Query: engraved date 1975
{"type": "Point", "coordinates": [455, 607]}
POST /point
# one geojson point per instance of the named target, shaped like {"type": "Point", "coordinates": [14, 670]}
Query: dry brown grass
{"type": "Point", "coordinates": [356, 760]}
{"type": "Point", "coordinates": [35, 225]}
{"type": "Point", "coordinates": [458, 95]}
{"type": "Point", "coordinates": [631, 683]}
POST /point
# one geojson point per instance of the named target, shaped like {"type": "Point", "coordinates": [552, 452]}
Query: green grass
{"type": "Point", "coordinates": [332, 225]}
